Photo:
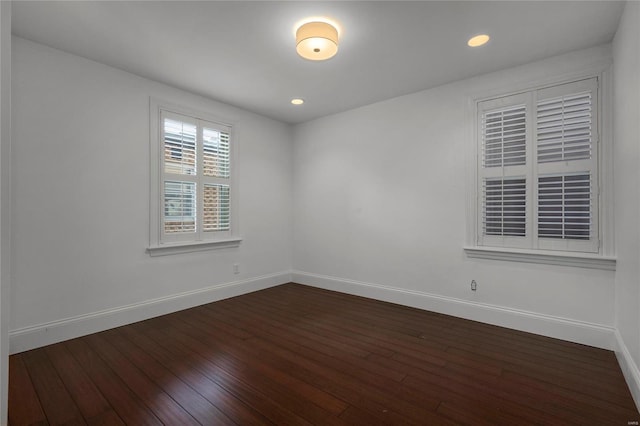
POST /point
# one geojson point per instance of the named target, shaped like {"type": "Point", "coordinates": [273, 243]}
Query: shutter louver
{"type": "Point", "coordinates": [216, 208]}
{"type": "Point", "coordinates": [504, 207]}
{"type": "Point", "coordinates": [504, 137]}
{"type": "Point", "coordinates": [564, 207]}
{"type": "Point", "coordinates": [564, 127]}
{"type": "Point", "coordinates": [179, 147]}
{"type": "Point", "coordinates": [179, 207]}
{"type": "Point", "coordinates": [216, 153]}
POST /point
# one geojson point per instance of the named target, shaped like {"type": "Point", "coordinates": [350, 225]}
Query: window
{"type": "Point", "coordinates": [192, 181]}
{"type": "Point", "coordinates": [538, 181]}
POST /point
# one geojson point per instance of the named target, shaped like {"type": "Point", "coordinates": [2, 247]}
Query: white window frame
{"type": "Point", "coordinates": [597, 256]}
{"type": "Point", "coordinates": [161, 243]}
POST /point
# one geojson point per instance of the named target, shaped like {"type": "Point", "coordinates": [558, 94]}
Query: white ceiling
{"type": "Point", "coordinates": [243, 53]}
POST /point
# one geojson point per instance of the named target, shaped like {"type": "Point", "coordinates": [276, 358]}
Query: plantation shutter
{"type": "Point", "coordinates": [566, 137]}
{"type": "Point", "coordinates": [179, 143]}
{"type": "Point", "coordinates": [538, 182]}
{"type": "Point", "coordinates": [179, 136]}
{"type": "Point", "coordinates": [179, 207]}
{"type": "Point", "coordinates": [216, 174]}
{"type": "Point", "coordinates": [504, 207]}
{"type": "Point", "coordinates": [564, 206]}
{"type": "Point", "coordinates": [504, 137]}
{"type": "Point", "coordinates": [196, 178]}
{"type": "Point", "coordinates": [564, 128]}
{"type": "Point", "coordinates": [216, 152]}
{"type": "Point", "coordinates": [503, 176]}
{"type": "Point", "coordinates": [216, 208]}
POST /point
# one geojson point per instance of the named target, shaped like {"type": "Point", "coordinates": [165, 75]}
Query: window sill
{"type": "Point", "coordinates": [189, 247]}
{"type": "Point", "coordinates": [578, 260]}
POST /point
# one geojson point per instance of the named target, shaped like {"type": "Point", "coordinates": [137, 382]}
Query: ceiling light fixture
{"type": "Point", "coordinates": [478, 40]}
{"type": "Point", "coordinates": [317, 41]}
{"type": "Point", "coordinates": [297, 101]}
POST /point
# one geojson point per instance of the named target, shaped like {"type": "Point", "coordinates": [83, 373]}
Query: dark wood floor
{"type": "Point", "coordinates": [294, 355]}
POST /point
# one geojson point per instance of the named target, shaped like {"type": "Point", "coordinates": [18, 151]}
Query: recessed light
{"type": "Point", "coordinates": [478, 40]}
{"type": "Point", "coordinates": [297, 101]}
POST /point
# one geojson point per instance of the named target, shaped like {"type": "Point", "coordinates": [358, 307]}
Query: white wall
{"type": "Point", "coordinates": [626, 51]}
{"type": "Point", "coordinates": [81, 201]}
{"type": "Point", "coordinates": [379, 202]}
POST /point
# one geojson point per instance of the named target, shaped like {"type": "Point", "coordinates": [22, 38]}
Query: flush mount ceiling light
{"type": "Point", "coordinates": [297, 101]}
{"type": "Point", "coordinates": [317, 41]}
{"type": "Point", "coordinates": [478, 40]}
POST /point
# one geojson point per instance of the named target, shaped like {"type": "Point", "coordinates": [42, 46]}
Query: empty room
{"type": "Point", "coordinates": [319, 213]}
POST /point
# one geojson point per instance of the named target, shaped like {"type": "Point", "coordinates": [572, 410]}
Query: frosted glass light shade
{"type": "Point", "coordinates": [317, 41]}
{"type": "Point", "coordinates": [478, 40]}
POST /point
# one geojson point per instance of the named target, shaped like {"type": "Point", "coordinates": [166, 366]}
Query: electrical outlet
{"type": "Point", "coordinates": [474, 285]}
{"type": "Point", "coordinates": [236, 268]}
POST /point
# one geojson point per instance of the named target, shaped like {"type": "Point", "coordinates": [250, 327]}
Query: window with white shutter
{"type": "Point", "coordinates": [192, 196]}
{"type": "Point", "coordinates": [538, 169]}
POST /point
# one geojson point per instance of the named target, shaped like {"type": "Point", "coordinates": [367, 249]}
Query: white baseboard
{"type": "Point", "coordinates": [629, 368]}
{"type": "Point", "coordinates": [26, 338]}
{"type": "Point", "coordinates": [576, 331]}
{"type": "Point", "coordinates": [597, 335]}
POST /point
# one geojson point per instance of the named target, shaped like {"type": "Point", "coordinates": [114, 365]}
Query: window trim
{"type": "Point", "coordinates": [605, 257]}
{"type": "Point", "coordinates": [189, 246]}
{"type": "Point", "coordinates": [157, 245]}
{"type": "Point", "coordinates": [547, 257]}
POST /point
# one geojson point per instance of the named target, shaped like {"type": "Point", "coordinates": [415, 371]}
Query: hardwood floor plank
{"type": "Point", "coordinates": [202, 409]}
{"type": "Point", "coordinates": [83, 391]}
{"type": "Point", "coordinates": [298, 355]}
{"type": "Point", "coordinates": [53, 395]}
{"type": "Point", "coordinates": [310, 324]}
{"type": "Point", "coordinates": [423, 381]}
{"type": "Point", "coordinates": [574, 379]}
{"type": "Point", "coordinates": [352, 382]}
{"type": "Point", "coordinates": [355, 416]}
{"type": "Point", "coordinates": [24, 405]}
{"type": "Point", "coordinates": [307, 374]}
{"type": "Point", "coordinates": [580, 400]}
{"type": "Point", "coordinates": [124, 402]}
{"type": "Point", "coordinates": [162, 405]}
{"type": "Point", "coordinates": [266, 326]}
{"type": "Point", "coordinates": [227, 407]}
{"type": "Point", "coordinates": [224, 363]}
{"type": "Point", "coordinates": [391, 340]}
{"type": "Point", "coordinates": [194, 369]}
{"type": "Point", "coordinates": [457, 388]}
{"type": "Point", "coordinates": [478, 414]}
{"type": "Point", "coordinates": [242, 355]}
{"type": "Point", "coordinates": [319, 340]}
{"type": "Point", "coordinates": [107, 418]}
